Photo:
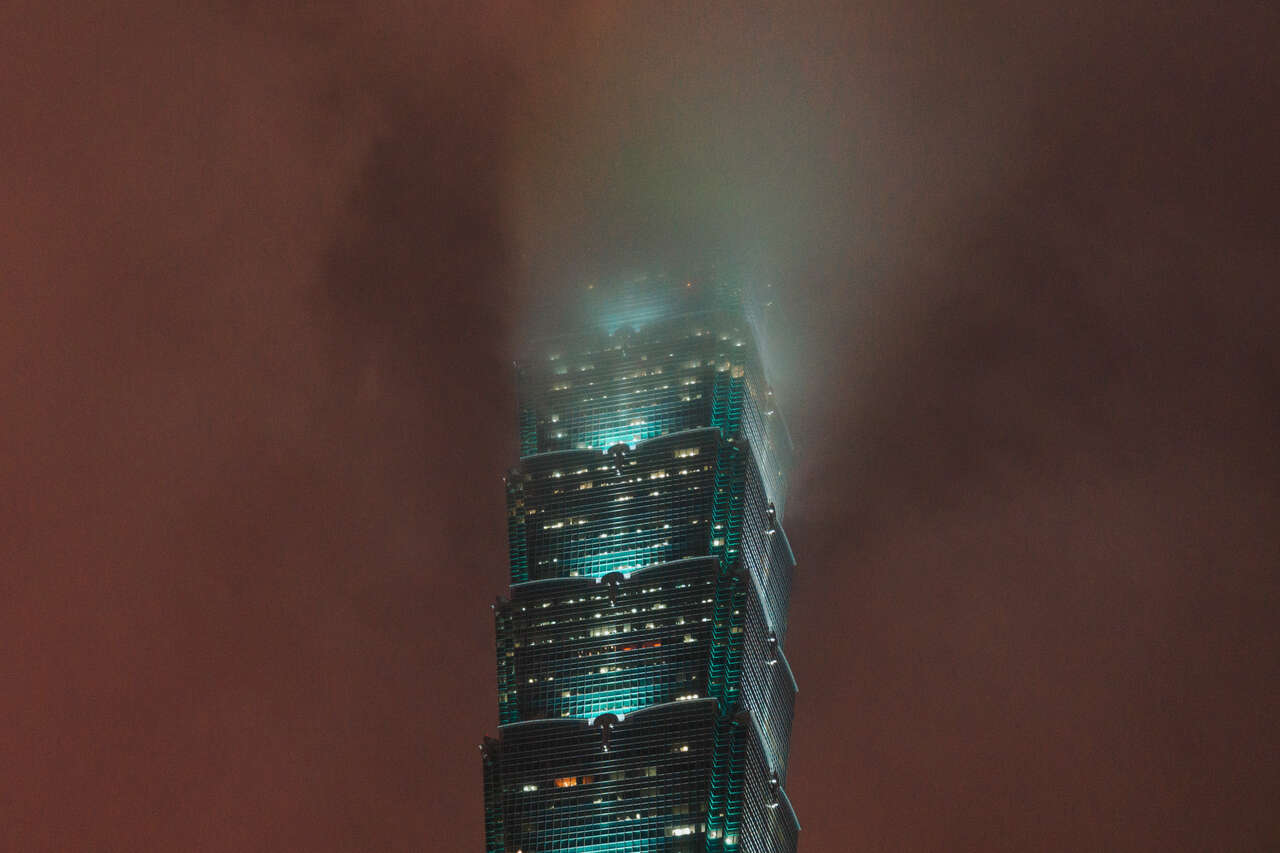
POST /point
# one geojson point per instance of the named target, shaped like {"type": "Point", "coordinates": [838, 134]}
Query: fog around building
{"type": "Point", "coordinates": [265, 273]}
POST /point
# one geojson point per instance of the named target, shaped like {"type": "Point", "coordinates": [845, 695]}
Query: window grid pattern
{"type": "Point", "coordinates": [724, 674]}
{"type": "Point", "coordinates": [517, 542]}
{"type": "Point", "coordinates": [768, 688]}
{"type": "Point", "coordinates": [494, 841]}
{"type": "Point", "coordinates": [766, 552]}
{"type": "Point", "coordinates": [724, 810]}
{"type": "Point", "coordinates": [674, 777]}
{"type": "Point", "coordinates": [586, 514]}
{"type": "Point", "coordinates": [675, 632]}
{"type": "Point", "coordinates": [770, 442]}
{"type": "Point", "coordinates": [639, 784]}
{"type": "Point", "coordinates": [645, 698]}
{"type": "Point", "coordinates": [732, 467]}
{"type": "Point", "coordinates": [771, 827]}
{"type": "Point", "coordinates": [580, 648]}
{"type": "Point", "coordinates": [595, 391]}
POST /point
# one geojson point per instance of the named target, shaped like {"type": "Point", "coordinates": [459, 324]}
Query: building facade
{"type": "Point", "coordinates": [645, 701]}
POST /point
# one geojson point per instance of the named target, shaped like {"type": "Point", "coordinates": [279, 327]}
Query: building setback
{"type": "Point", "coordinates": [645, 702]}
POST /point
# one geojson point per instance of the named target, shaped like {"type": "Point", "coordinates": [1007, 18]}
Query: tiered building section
{"type": "Point", "coordinates": [644, 698]}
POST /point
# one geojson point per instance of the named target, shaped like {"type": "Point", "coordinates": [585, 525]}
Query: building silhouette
{"type": "Point", "coordinates": [645, 702]}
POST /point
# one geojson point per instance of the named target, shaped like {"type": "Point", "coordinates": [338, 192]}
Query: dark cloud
{"type": "Point", "coordinates": [257, 408]}
{"type": "Point", "coordinates": [263, 272]}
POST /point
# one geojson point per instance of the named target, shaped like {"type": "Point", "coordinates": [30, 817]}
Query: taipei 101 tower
{"type": "Point", "coordinates": [644, 696]}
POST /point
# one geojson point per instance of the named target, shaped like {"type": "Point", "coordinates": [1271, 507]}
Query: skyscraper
{"type": "Point", "coordinates": [645, 702]}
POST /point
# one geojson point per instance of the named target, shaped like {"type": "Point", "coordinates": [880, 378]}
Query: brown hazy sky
{"type": "Point", "coordinates": [261, 275]}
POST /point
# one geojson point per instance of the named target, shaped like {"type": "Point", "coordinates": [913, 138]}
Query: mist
{"type": "Point", "coordinates": [264, 274]}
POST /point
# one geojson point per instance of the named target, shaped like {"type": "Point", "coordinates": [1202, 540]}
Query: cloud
{"type": "Point", "coordinates": [263, 272]}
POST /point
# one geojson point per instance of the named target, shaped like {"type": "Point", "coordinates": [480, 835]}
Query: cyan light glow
{"type": "Point", "coordinates": [651, 445]}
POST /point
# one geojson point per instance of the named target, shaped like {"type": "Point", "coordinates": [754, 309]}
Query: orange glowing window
{"type": "Point", "coordinates": [566, 781]}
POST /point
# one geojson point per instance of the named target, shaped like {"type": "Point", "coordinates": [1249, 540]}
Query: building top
{"type": "Point", "coordinates": [607, 305]}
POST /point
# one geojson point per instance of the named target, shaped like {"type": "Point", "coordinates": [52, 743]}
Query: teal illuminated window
{"type": "Point", "coordinates": [644, 697]}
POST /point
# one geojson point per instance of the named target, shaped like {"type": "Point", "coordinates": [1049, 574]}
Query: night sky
{"type": "Point", "coordinates": [262, 273]}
